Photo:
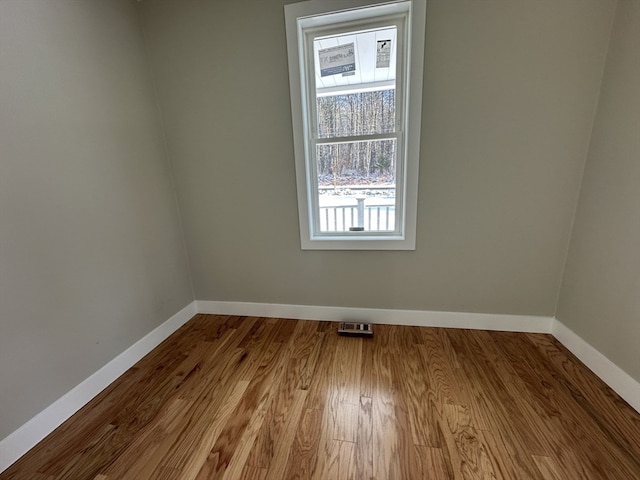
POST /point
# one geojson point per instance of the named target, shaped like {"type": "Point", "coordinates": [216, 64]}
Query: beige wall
{"type": "Point", "coordinates": [600, 296]}
{"type": "Point", "coordinates": [91, 254]}
{"type": "Point", "coordinates": [510, 91]}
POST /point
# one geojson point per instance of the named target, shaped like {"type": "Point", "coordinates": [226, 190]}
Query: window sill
{"type": "Point", "coordinates": [352, 243]}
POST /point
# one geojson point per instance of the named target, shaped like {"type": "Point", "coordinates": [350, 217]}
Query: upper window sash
{"type": "Point", "coordinates": [319, 32]}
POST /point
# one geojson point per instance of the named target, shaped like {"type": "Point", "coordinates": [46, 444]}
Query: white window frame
{"type": "Point", "coordinates": [303, 20]}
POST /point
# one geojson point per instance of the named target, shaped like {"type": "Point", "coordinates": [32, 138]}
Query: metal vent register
{"type": "Point", "coordinates": [354, 329]}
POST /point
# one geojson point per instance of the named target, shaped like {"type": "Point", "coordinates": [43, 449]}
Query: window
{"type": "Point", "coordinates": [356, 93]}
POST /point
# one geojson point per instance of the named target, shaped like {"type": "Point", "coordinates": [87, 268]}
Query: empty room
{"type": "Point", "coordinates": [328, 239]}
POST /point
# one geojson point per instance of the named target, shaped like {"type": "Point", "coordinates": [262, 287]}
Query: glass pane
{"type": "Point", "coordinates": [357, 186]}
{"type": "Point", "coordinates": [355, 75]}
{"type": "Point", "coordinates": [361, 113]}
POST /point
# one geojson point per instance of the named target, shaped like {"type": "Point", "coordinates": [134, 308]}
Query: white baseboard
{"type": "Point", "coordinates": [29, 434]}
{"type": "Point", "coordinates": [477, 321]}
{"type": "Point", "coordinates": [619, 380]}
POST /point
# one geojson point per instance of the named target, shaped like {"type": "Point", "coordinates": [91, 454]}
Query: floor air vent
{"type": "Point", "coordinates": [353, 329]}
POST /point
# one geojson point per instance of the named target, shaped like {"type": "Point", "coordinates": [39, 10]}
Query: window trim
{"type": "Point", "coordinates": [317, 14]}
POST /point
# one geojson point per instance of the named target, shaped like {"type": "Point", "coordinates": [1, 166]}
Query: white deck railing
{"type": "Point", "coordinates": [370, 217]}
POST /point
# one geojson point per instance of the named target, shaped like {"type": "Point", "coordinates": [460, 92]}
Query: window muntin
{"type": "Point", "coordinates": [357, 188]}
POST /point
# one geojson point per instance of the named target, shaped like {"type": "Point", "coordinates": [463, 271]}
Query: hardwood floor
{"type": "Point", "coordinates": [256, 398]}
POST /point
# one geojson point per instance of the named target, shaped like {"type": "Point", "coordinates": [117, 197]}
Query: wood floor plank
{"type": "Point", "coordinates": [364, 439]}
{"type": "Point", "coordinates": [204, 422]}
{"type": "Point", "coordinates": [505, 415]}
{"type": "Point", "coordinates": [466, 451]}
{"type": "Point", "coordinates": [132, 417]}
{"type": "Point", "coordinates": [416, 414]}
{"type": "Point", "coordinates": [549, 428]}
{"type": "Point", "coordinates": [321, 381]}
{"type": "Point", "coordinates": [176, 447]}
{"type": "Point", "coordinates": [432, 463]}
{"type": "Point", "coordinates": [614, 416]}
{"type": "Point", "coordinates": [342, 464]}
{"type": "Point", "coordinates": [225, 351]}
{"type": "Point", "coordinates": [238, 397]}
{"type": "Point", "coordinates": [549, 468]}
{"type": "Point", "coordinates": [286, 393]}
{"type": "Point", "coordinates": [504, 464]}
{"type": "Point", "coordinates": [553, 392]}
{"type": "Point", "coordinates": [507, 402]}
{"type": "Point", "coordinates": [136, 456]}
{"type": "Point", "coordinates": [436, 354]}
{"type": "Point", "coordinates": [253, 473]}
{"type": "Point", "coordinates": [302, 460]}
{"type": "Point", "coordinates": [38, 476]}
{"type": "Point", "coordinates": [238, 462]}
{"type": "Point", "coordinates": [386, 439]}
{"type": "Point", "coordinates": [277, 417]}
{"type": "Point", "coordinates": [278, 463]}
{"type": "Point", "coordinates": [250, 413]}
{"type": "Point", "coordinates": [314, 447]}
{"type": "Point", "coordinates": [472, 395]}
{"type": "Point", "coordinates": [417, 397]}
{"type": "Point", "coordinates": [310, 361]}
{"type": "Point", "coordinates": [343, 399]}
{"type": "Point", "coordinates": [341, 389]}
{"type": "Point", "coordinates": [285, 329]}
{"type": "Point", "coordinates": [346, 370]}
{"type": "Point", "coordinates": [551, 431]}
{"type": "Point", "coordinates": [191, 452]}
{"type": "Point", "coordinates": [72, 437]}
{"type": "Point", "coordinates": [366, 372]}
{"type": "Point", "coordinates": [214, 387]}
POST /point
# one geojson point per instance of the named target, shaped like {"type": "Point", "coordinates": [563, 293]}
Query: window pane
{"type": "Point", "coordinates": [355, 79]}
{"type": "Point", "coordinates": [357, 186]}
{"type": "Point", "coordinates": [360, 113]}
